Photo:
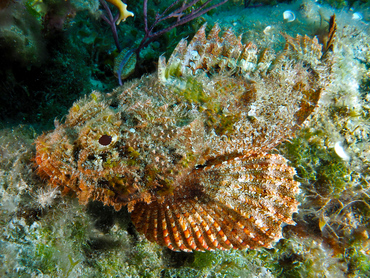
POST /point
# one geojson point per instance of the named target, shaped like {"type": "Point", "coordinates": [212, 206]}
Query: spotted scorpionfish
{"type": "Point", "coordinates": [187, 148]}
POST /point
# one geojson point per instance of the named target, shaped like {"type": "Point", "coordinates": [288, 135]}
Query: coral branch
{"type": "Point", "coordinates": [182, 19]}
{"type": "Point", "coordinates": [111, 21]}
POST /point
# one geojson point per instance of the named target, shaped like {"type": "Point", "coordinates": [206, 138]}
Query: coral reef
{"type": "Point", "coordinates": [45, 233]}
{"type": "Point", "coordinates": [186, 151]}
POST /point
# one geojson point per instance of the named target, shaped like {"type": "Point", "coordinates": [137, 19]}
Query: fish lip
{"type": "Point", "coordinates": [126, 198]}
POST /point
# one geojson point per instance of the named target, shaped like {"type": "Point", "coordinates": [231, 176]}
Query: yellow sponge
{"type": "Point", "coordinates": [123, 12]}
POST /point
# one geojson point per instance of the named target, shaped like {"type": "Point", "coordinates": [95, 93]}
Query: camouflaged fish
{"type": "Point", "coordinates": [187, 148]}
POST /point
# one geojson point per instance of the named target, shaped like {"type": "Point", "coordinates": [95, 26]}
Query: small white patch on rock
{"type": "Point", "coordinates": [339, 150]}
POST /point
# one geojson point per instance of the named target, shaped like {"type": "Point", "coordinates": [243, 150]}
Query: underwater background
{"type": "Point", "coordinates": [53, 52]}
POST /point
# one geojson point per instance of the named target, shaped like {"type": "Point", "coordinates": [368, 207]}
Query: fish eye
{"type": "Point", "coordinates": [105, 140]}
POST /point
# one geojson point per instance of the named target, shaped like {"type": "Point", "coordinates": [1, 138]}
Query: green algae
{"type": "Point", "coordinates": [316, 164]}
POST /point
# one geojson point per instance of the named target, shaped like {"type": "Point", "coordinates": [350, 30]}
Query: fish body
{"type": "Point", "coordinates": [187, 148]}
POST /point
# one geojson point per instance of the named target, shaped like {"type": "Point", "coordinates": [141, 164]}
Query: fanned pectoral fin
{"type": "Point", "coordinates": [198, 224]}
{"type": "Point", "coordinates": [238, 204]}
{"type": "Point", "coordinates": [182, 224]}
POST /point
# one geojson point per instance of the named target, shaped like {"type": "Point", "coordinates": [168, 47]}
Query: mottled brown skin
{"type": "Point", "coordinates": [186, 149]}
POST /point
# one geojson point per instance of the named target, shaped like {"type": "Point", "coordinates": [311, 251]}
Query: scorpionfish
{"type": "Point", "coordinates": [187, 149]}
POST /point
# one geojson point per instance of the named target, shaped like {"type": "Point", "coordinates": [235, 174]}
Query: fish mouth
{"type": "Point", "coordinates": [121, 193]}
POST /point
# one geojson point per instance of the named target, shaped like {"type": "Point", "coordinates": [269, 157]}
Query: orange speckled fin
{"type": "Point", "coordinates": [238, 204]}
